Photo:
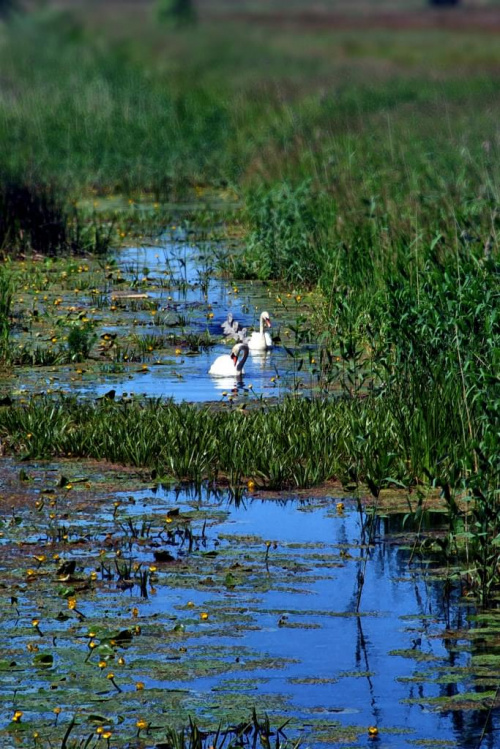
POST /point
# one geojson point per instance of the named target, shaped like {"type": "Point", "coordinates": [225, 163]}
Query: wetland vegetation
{"type": "Point", "coordinates": [151, 179]}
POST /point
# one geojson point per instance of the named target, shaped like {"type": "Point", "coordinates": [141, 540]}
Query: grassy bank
{"type": "Point", "coordinates": [369, 173]}
{"type": "Point", "coordinates": [295, 444]}
{"type": "Point", "coordinates": [410, 435]}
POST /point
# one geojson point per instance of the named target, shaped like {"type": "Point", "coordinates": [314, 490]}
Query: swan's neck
{"type": "Point", "coordinates": [262, 325]}
{"type": "Point", "coordinates": [241, 362]}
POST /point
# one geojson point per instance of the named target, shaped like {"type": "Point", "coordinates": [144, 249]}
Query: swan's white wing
{"type": "Point", "coordinates": [220, 366]}
{"type": "Point", "coordinates": [224, 366]}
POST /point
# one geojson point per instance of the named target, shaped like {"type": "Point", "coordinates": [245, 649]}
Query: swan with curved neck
{"type": "Point", "coordinates": [261, 340]}
{"type": "Point", "coordinates": [230, 365]}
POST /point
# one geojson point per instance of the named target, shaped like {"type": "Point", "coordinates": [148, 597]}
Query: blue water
{"type": "Point", "coordinates": [401, 608]}
{"type": "Point", "coordinates": [295, 607]}
{"type": "Point", "coordinates": [175, 271]}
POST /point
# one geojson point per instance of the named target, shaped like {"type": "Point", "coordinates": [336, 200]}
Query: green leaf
{"type": "Point", "coordinates": [44, 660]}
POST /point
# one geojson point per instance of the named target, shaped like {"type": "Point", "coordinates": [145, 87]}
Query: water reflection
{"type": "Point", "coordinates": [368, 632]}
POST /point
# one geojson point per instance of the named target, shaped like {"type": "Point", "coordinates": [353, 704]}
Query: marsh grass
{"type": "Point", "coordinates": [381, 197]}
{"type": "Point", "coordinates": [124, 127]}
{"type": "Point", "coordinates": [6, 296]}
{"type": "Point", "coordinates": [192, 736]}
{"type": "Point", "coordinates": [80, 340]}
{"type": "Point", "coordinates": [297, 443]}
{"type": "Point", "coordinates": [245, 734]}
{"type": "Point", "coordinates": [153, 110]}
{"type": "Point", "coordinates": [290, 229]}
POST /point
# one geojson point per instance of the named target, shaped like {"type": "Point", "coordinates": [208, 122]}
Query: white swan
{"type": "Point", "coordinates": [260, 341]}
{"type": "Point", "coordinates": [228, 365]}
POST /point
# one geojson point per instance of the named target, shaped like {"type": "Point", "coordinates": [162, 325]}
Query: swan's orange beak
{"type": "Point", "coordinates": [268, 323]}
{"type": "Point", "coordinates": [234, 358]}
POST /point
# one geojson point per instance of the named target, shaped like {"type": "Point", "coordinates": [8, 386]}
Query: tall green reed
{"type": "Point", "coordinates": [6, 294]}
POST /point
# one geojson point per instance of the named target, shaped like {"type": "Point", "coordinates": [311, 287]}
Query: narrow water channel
{"type": "Point", "coordinates": [282, 605]}
{"type": "Point", "coordinates": [171, 289]}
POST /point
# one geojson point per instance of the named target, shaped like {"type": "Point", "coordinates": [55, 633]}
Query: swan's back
{"type": "Point", "coordinates": [230, 365]}
{"type": "Point", "coordinates": [223, 366]}
{"type": "Point", "coordinates": [260, 341]}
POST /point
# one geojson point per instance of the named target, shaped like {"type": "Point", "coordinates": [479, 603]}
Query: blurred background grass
{"type": "Point", "coordinates": [102, 95]}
